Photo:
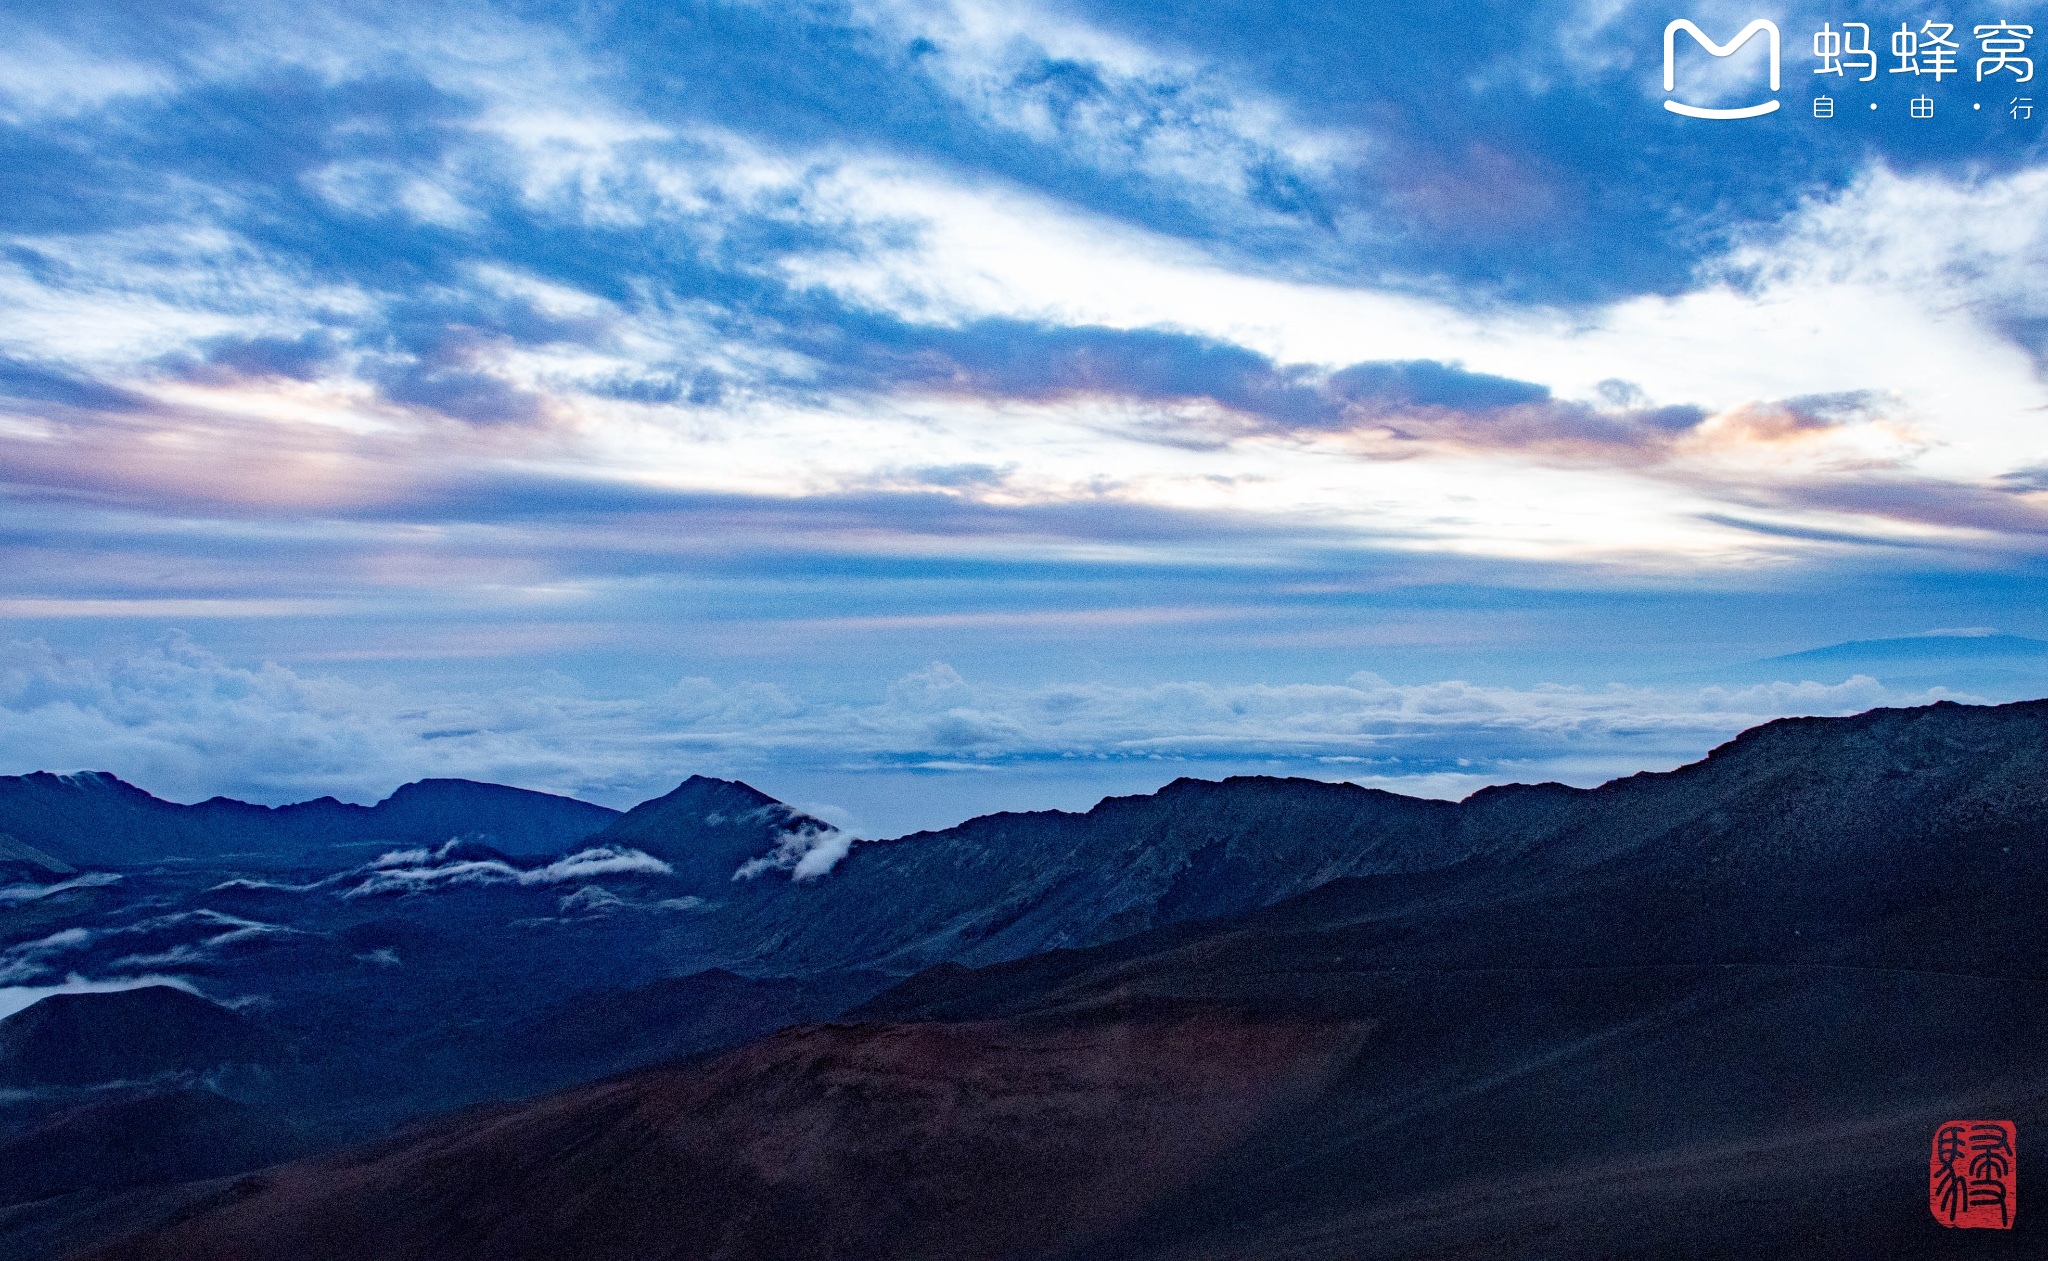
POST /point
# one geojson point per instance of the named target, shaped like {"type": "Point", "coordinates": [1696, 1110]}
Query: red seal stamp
{"type": "Point", "coordinates": [1973, 1175]}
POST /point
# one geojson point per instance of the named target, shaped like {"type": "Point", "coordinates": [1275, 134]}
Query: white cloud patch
{"type": "Point", "coordinates": [207, 932]}
{"type": "Point", "coordinates": [1943, 281]}
{"type": "Point", "coordinates": [245, 882]}
{"type": "Point", "coordinates": [591, 899]}
{"type": "Point", "coordinates": [805, 854]}
{"type": "Point", "coordinates": [416, 870]}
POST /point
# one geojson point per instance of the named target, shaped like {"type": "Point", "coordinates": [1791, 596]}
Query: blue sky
{"type": "Point", "coordinates": [922, 408]}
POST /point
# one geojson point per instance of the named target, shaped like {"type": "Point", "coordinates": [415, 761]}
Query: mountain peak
{"type": "Point", "coordinates": [125, 1035]}
{"type": "Point", "coordinates": [91, 781]}
{"type": "Point", "coordinates": [708, 829]}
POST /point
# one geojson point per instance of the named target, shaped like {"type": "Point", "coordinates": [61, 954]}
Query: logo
{"type": "Point", "coordinates": [1973, 1175]}
{"type": "Point", "coordinates": [1718, 50]}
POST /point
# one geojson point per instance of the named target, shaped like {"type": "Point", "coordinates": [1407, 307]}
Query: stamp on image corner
{"type": "Point", "coordinates": [1973, 1175]}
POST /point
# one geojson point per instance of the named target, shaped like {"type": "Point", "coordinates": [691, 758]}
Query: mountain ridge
{"type": "Point", "coordinates": [94, 818]}
{"type": "Point", "coordinates": [125, 1035]}
{"type": "Point", "coordinates": [1650, 1019]}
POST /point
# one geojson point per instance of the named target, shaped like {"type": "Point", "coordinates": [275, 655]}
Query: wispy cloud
{"type": "Point", "coordinates": [176, 940]}
{"type": "Point", "coordinates": [414, 871]}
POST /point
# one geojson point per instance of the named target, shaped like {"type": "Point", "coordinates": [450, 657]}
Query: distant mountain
{"type": "Point", "coordinates": [1994, 666]}
{"type": "Point", "coordinates": [707, 829]}
{"type": "Point", "coordinates": [125, 1035]}
{"type": "Point", "coordinates": [1006, 885]}
{"type": "Point", "coordinates": [432, 811]}
{"type": "Point", "coordinates": [992, 888]}
{"type": "Point", "coordinates": [93, 819]}
{"type": "Point", "coordinates": [1922, 648]}
{"type": "Point", "coordinates": [1712, 1012]}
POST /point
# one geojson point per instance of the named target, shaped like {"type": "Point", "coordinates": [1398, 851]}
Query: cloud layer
{"type": "Point", "coordinates": [177, 720]}
{"type": "Point", "coordinates": [577, 351]}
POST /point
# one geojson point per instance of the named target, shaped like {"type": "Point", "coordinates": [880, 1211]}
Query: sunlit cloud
{"type": "Point", "coordinates": [524, 332]}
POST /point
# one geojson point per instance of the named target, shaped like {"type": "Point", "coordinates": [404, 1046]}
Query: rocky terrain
{"type": "Point", "coordinates": [1681, 1014]}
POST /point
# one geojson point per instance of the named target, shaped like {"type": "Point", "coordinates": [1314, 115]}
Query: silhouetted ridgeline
{"type": "Point", "coordinates": [129, 1035]}
{"type": "Point", "coordinates": [92, 819]}
{"type": "Point", "coordinates": [1707, 1013]}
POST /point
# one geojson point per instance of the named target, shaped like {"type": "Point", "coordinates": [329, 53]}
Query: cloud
{"type": "Point", "coordinates": [591, 899]}
{"type": "Point", "coordinates": [17, 893]}
{"type": "Point", "coordinates": [600, 861]}
{"type": "Point", "coordinates": [805, 854]}
{"type": "Point", "coordinates": [229, 359]}
{"type": "Point", "coordinates": [362, 741]}
{"type": "Point", "coordinates": [25, 960]}
{"type": "Point", "coordinates": [196, 937]}
{"type": "Point", "coordinates": [736, 295]}
{"type": "Point", "coordinates": [466, 334]}
{"type": "Point", "coordinates": [27, 383]}
{"type": "Point", "coordinates": [1405, 401]}
{"type": "Point", "coordinates": [418, 870]}
{"type": "Point", "coordinates": [181, 938]}
{"type": "Point", "coordinates": [1424, 383]}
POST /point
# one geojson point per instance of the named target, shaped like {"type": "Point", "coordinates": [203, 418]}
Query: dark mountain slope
{"type": "Point", "coordinates": [131, 1139]}
{"type": "Point", "coordinates": [1898, 839]}
{"type": "Point", "coordinates": [1700, 1014]}
{"type": "Point", "coordinates": [707, 829]}
{"type": "Point", "coordinates": [413, 986]}
{"type": "Point", "coordinates": [1007, 885]}
{"type": "Point", "coordinates": [26, 862]}
{"type": "Point", "coordinates": [93, 819]}
{"type": "Point", "coordinates": [431, 811]}
{"type": "Point", "coordinates": [127, 1035]}
{"type": "Point", "coordinates": [953, 1141]}
{"type": "Point", "coordinates": [600, 1032]}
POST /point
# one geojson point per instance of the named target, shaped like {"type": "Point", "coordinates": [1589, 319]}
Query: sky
{"type": "Point", "coordinates": [923, 408]}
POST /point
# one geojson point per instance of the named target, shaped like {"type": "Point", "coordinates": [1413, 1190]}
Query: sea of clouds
{"type": "Point", "coordinates": [187, 724]}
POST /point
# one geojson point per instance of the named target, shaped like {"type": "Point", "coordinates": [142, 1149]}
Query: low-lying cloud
{"type": "Point", "coordinates": [14, 894]}
{"type": "Point", "coordinates": [417, 870]}
{"type": "Point", "coordinates": [180, 939]}
{"type": "Point", "coordinates": [186, 724]}
{"type": "Point", "coordinates": [805, 853]}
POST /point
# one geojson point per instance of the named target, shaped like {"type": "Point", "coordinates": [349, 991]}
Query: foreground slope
{"type": "Point", "coordinates": [1695, 1014]}
{"type": "Point", "coordinates": [435, 977]}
